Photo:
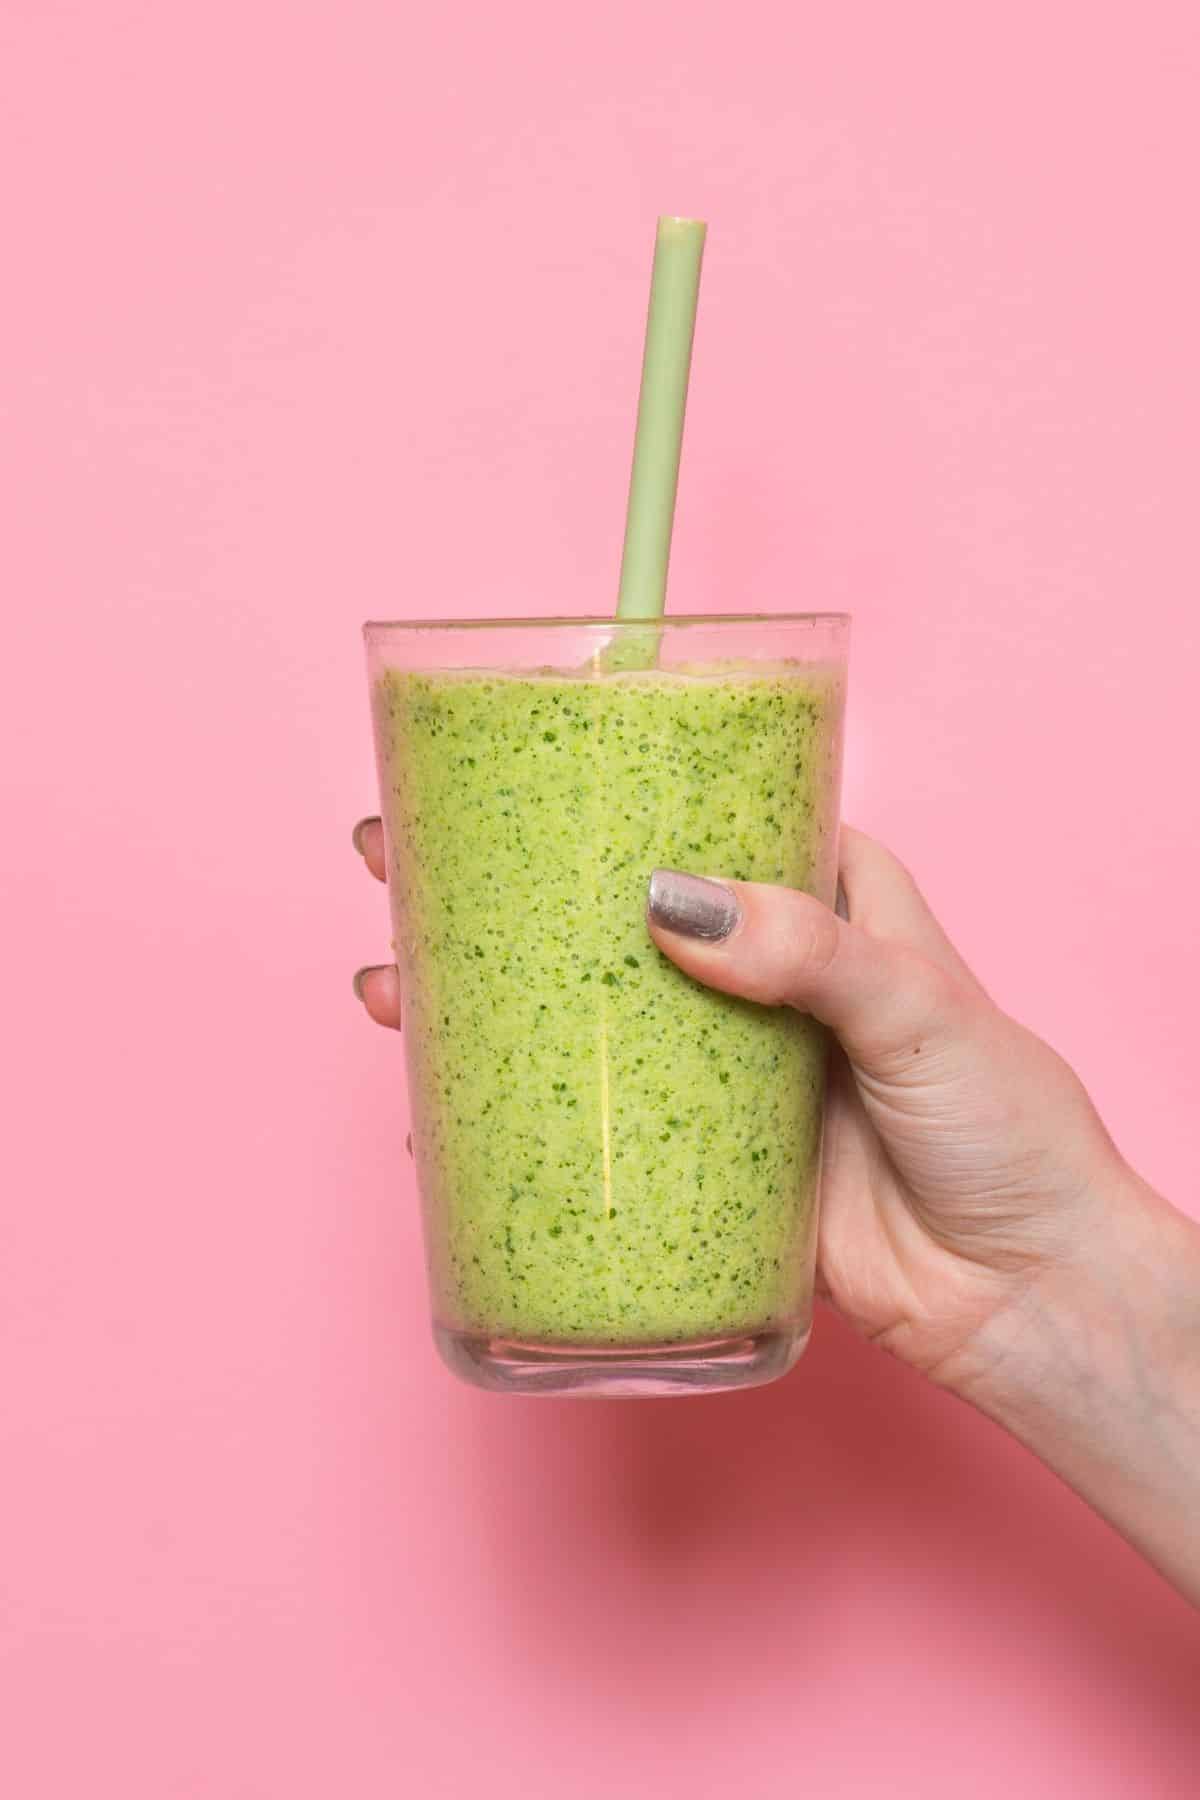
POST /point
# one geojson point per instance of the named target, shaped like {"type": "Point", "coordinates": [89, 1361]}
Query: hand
{"type": "Point", "coordinates": [976, 1218]}
{"type": "Point", "coordinates": [962, 1155]}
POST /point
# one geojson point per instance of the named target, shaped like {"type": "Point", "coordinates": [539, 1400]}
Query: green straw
{"type": "Point", "coordinates": [670, 326]}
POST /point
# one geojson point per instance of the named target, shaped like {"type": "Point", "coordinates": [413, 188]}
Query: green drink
{"type": "Point", "coordinates": [618, 1167]}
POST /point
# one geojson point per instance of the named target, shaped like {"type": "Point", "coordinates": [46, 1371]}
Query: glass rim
{"type": "Point", "coordinates": [669, 620]}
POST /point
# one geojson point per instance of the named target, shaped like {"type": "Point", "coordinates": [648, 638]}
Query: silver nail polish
{"type": "Point", "coordinates": [691, 905]}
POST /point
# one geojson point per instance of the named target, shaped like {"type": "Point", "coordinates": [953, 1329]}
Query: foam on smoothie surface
{"type": "Point", "coordinates": [609, 1153]}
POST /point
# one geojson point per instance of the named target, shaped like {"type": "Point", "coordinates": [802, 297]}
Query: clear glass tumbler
{"type": "Point", "coordinates": [618, 1167]}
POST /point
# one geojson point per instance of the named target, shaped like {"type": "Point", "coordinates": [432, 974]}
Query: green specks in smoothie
{"type": "Point", "coordinates": [609, 1151]}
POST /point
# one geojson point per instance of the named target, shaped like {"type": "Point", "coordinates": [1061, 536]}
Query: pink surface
{"type": "Point", "coordinates": [318, 310]}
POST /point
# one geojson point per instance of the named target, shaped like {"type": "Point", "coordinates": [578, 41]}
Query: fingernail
{"type": "Point", "coordinates": [356, 836]}
{"type": "Point", "coordinates": [691, 905]}
{"type": "Point", "coordinates": [360, 975]}
{"type": "Point", "coordinates": [841, 905]}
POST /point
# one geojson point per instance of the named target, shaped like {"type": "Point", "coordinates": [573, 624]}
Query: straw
{"type": "Point", "coordinates": [670, 326]}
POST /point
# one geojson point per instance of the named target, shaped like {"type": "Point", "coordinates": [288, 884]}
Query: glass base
{"type": "Point", "coordinates": [651, 1371]}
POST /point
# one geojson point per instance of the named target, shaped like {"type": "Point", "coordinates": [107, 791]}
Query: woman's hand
{"type": "Point", "coordinates": [962, 1155]}
{"type": "Point", "coordinates": [976, 1218]}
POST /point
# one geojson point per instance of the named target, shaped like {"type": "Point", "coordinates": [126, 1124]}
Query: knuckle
{"type": "Point", "coordinates": [933, 1002]}
{"type": "Point", "coordinates": [824, 940]}
{"type": "Point", "coordinates": [816, 936]}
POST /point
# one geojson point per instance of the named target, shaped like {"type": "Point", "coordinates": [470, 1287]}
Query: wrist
{"type": "Point", "coordinates": [1095, 1366]}
{"type": "Point", "coordinates": [1069, 1343]}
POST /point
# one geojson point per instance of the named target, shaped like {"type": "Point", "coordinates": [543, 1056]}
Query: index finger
{"type": "Point", "coordinates": [367, 838]}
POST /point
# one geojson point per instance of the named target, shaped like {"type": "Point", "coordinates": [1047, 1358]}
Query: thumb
{"type": "Point", "coordinates": [885, 1001]}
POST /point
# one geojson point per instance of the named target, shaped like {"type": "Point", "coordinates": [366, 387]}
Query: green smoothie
{"type": "Point", "coordinates": [609, 1154]}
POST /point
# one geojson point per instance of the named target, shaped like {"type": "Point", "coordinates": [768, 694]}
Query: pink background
{"type": "Point", "coordinates": [316, 310]}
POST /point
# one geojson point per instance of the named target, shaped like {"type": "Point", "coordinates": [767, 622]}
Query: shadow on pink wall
{"type": "Point", "coordinates": [651, 1551]}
